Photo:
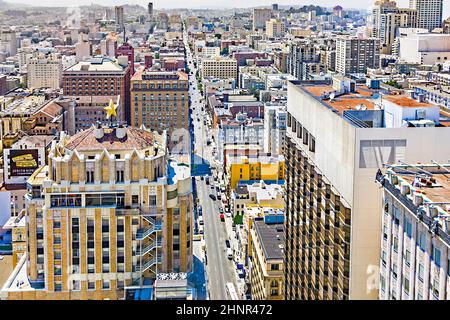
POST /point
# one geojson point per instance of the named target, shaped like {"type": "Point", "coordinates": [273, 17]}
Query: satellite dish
{"type": "Point", "coordinates": [332, 95]}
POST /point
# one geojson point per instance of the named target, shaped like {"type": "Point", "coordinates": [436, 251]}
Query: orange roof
{"type": "Point", "coordinates": [317, 91]}
{"type": "Point", "coordinates": [407, 102]}
{"type": "Point", "coordinates": [343, 104]}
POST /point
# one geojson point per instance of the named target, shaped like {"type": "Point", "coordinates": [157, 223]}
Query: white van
{"type": "Point", "coordinates": [200, 220]}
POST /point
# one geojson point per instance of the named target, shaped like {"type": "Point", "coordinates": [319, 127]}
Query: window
{"type": "Point", "coordinates": [395, 244]}
{"type": "Point", "coordinates": [421, 241]}
{"type": "Point", "coordinates": [152, 200]}
{"type": "Point", "coordinates": [408, 227]}
{"type": "Point", "coordinates": [383, 257]}
{"type": "Point", "coordinates": [394, 270]}
{"type": "Point", "coordinates": [436, 255]}
{"type": "Point", "coordinates": [90, 176]}
{"type": "Point", "coordinates": [396, 215]}
{"type": "Point", "coordinates": [274, 267]}
{"type": "Point", "coordinates": [274, 292]}
{"type": "Point", "coordinates": [420, 272]}
{"type": "Point", "coordinates": [448, 267]}
{"type": "Point", "coordinates": [91, 285]}
{"type": "Point", "coordinates": [312, 144]}
{"type": "Point", "coordinates": [382, 283]}
{"type": "Point", "coordinates": [305, 137]}
{"type": "Point", "coordinates": [406, 285]}
{"type": "Point", "coordinates": [407, 257]}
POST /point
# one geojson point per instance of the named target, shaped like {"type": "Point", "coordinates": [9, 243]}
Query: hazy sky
{"type": "Point", "coordinates": [218, 3]}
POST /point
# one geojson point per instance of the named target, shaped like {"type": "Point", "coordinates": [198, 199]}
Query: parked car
{"type": "Point", "coordinates": [213, 197]}
{"type": "Point", "coordinates": [227, 243]}
{"type": "Point", "coordinates": [221, 210]}
{"type": "Point", "coordinates": [229, 253]}
{"type": "Point", "coordinates": [219, 196]}
{"type": "Point", "coordinates": [200, 220]}
{"type": "Point", "coordinates": [222, 217]}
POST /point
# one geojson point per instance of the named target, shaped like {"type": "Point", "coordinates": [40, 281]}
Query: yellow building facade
{"type": "Point", "coordinates": [244, 168]}
{"type": "Point", "coordinates": [109, 212]}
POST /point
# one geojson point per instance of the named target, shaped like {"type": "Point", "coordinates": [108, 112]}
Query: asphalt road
{"type": "Point", "coordinates": [219, 268]}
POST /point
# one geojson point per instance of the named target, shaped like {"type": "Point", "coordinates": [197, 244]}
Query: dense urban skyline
{"type": "Point", "coordinates": [360, 4]}
{"type": "Point", "coordinates": [270, 152]}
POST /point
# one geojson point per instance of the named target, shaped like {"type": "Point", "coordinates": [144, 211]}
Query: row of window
{"type": "Point", "coordinates": [302, 133]}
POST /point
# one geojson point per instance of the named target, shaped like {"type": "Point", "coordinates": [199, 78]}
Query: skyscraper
{"type": "Point", "coordinates": [335, 144]}
{"type": "Point", "coordinates": [387, 18]}
{"type": "Point", "coordinates": [429, 13]}
{"type": "Point", "coordinates": [118, 10]}
{"type": "Point", "coordinates": [260, 16]}
{"type": "Point", "coordinates": [355, 55]}
{"type": "Point", "coordinates": [150, 8]}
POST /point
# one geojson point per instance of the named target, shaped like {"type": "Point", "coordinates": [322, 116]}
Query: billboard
{"type": "Point", "coordinates": [23, 163]}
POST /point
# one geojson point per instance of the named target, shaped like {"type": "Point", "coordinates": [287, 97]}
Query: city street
{"type": "Point", "coordinates": [219, 268]}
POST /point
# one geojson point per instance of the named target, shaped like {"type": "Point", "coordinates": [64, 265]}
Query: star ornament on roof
{"type": "Point", "coordinates": [111, 110]}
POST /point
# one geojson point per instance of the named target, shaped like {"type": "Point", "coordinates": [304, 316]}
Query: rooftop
{"type": "Point", "coordinates": [271, 237]}
{"type": "Point", "coordinates": [134, 138]}
{"type": "Point", "coordinates": [159, 75]}
{"type": "Point", "coordinates": [96, 64]}
{"type": "Point", "coordinates": [366, 107]}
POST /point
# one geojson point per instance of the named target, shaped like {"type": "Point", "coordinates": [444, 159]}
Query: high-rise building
{"type": "Point", "coordinates": [160, 100]}
{"type": "Point", "coordinates": [100, 76]}
{"type": "Point", "coordinates": [355, 55]}
{"type": "Point", "coordinates": [118, 13]}
{"type": "Point", "coordinates": [429, 13]}
{"type": "Point", "coordinates": [275, 7]}
{"type": "Point", "coordinates": [150, 8]}
{"type": "Point", "coordinates": [274, 128]}
{"type": "Point", "coordinates": [260, 16]}
{"type": "Point", "coordinates": [338, 135]}
{"type": "Point", "coordinates": [387, 18]}
{"type": "Point", "coordinates": [275, 28]}
{"type": "Point", "coordinates": [8, 42]}
{"type": "Point", "coordinates": [44, 72]}
{"type": "Point", "coordinates": [300, 52]}
{"type": "Point", "coordinates": [415, 260]}
{"type": "Point", "coordinates": [110, 211]}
